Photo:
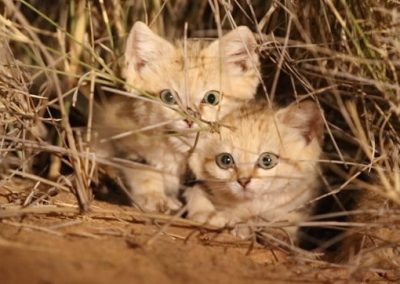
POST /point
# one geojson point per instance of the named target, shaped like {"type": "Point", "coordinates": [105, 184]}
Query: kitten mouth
{"type": "Point", "coordinates": [245, 194]}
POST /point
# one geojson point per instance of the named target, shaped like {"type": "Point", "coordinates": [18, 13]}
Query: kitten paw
{"type": "Point", "coordinates": [156, 202]}
{"type": "Point", "coordinates": [215, 219]}
{"type": "Point", "coordinates": [218, 220]}
{"type": "Point", "coordinates": [242, 231]}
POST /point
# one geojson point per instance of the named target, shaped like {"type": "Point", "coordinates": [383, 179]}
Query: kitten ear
{"type": "Point", "coordinates": [144, 46]}
{"type": "Point", "coordinates": [238, 49]}
{"type": "Point", "coordinates": [307, 117]}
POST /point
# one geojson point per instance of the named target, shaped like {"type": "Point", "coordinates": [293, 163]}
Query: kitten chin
{"type": "Point", "coordinates": [180, 87]}
{"type": "Point", "coordinates": [264, 164]}
{"type": "Point", "coordinates": [182, 143]}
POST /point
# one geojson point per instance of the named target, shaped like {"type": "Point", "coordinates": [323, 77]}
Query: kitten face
{"type": "Point", "coordinates": [192, 83]}
{"type": "Point", "coordinates": [265, 154]}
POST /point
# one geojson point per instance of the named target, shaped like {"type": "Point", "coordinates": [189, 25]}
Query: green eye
{"type": "Point", "coordinates": [267, 160]}
{"type": "Point", "coordinates": [211, 98]}
{"type": "Point", "coordinates": [168, 97]}
{"type": "Point", "coordinates": [224, 161]}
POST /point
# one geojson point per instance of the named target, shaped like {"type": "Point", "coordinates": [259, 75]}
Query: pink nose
{"type": "Point", "coordinates": [189, 122]}
{"type": "Point", "coordinates": [244, 181]}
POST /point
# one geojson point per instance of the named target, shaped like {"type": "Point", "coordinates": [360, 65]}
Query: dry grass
{"type": "Point", "coordinates": [343, 54]}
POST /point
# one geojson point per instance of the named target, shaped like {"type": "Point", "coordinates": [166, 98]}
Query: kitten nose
{"type": "Point", "coordinates": [189, 122]}
{"type": "Point", "coordinates": [191, 114]}
{"type": "Point", "coordinates": [244, 181]}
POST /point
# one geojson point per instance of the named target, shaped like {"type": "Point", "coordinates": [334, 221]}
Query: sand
{"type": "Point", "coordinates": [114, 244]}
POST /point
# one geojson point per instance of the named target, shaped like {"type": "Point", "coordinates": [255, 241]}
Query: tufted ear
{"type": "Point", "coordinates": [307, 117]}
{"type": "Point", "coordinates": [144, 47]}
{"type": "Point", "coordinates": [238, 48]}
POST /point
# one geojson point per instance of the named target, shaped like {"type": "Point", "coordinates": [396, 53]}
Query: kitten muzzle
{"type": "Point", "coordinates": [244, 181]}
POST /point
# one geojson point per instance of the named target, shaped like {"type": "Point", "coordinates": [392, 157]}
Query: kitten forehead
{"type": "Point", "coordinates": [252, 130]}
{"type": "Point", "coordinates": [198, 71]}
{"type": "Point", "coordinates": [255, 129]}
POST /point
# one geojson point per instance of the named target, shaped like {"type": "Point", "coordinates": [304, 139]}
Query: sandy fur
{"type": "Point", "coordinates": [190, 70]}
{"type": "Point", "coordinates": [275, 194]}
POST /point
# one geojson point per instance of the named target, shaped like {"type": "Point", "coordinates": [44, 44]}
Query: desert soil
{"type": "Point", "coordinates": [116, 244]}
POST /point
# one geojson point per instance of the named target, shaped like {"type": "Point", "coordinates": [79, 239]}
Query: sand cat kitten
{"type": "Point", "coordinates": [181, 84]}
{"type": "Point", "coordinates": [264, 163]}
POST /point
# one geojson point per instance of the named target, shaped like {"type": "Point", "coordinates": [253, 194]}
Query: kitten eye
{"type": "Point", "coordinates": [224, 161]}
{"type": "Point", "coordinates": [267, 161]}
{"type": "Point", "coordinates": [168, 97]}
{"type": "Point", "coordinates": [211, 98]}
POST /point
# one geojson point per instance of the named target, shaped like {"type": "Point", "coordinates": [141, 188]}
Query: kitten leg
{"type": "Point", "coordinates": [147, 188]}
{"type": "Point", "coordinates": [244, 228]}
{"type": "Point", "coordinates": [198, 205]}
{"type": "Point", "coordinates": [294, 218]}
{"type": "Point", "coordinates": [201, 209]}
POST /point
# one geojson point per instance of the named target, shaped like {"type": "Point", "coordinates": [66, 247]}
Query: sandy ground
{"type": "Point", "coordinates": [114, 244]}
